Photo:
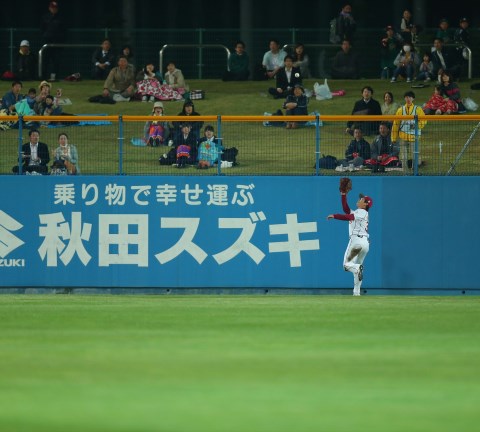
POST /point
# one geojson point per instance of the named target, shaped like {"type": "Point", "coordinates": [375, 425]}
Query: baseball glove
{"type": "Point", "coordinates": [345, 185]}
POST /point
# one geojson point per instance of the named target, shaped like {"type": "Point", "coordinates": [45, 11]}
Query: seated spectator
{"type": "Point", "coordinates": [120, 83]}
{"type": "Point", "coordinates": [389, 107]}
{"type": "Point", "coordinates": [238, 64]}
{"type": "Point", "coordinates": [156, 132]}
{"type": "Point", "coordinates": [186, 146]}
{"type": "Point", "coordinates": [358, 151]}
{"type": "Point", "coordinates": [406, 63]}
{"type": "Point", "coordinates": [444, 59]}
{"type": "Point", "coordinates": [127, 52]}
{"type": "Point", "coordinates": [437, 104]}
{"type": "Point", "coordinates": [365, 106]}
{"type": "Point", "coordinates": [273, 60]}
{"type": "Point", "coordinates": [301, 60]}
{"type": "Point", "coordinates": [48, 108]}
{"type": "Point", "coordinates": [25, 63]}
{"type": "Point", "coordinates": [425, 70]}
{"type": "Point", "coordinates": [383, 151]}
{"type": "Point", "coordinates": [451, 90]}
{"type": "Point", "coordinates": [44, 89]}
{"type": "Point", "coordinates": [103, 60]}
{"type": "Point", "coordinates": [209, 148]}
{"type": "Point", "coordinates": [150, 87]}
{"type": "Point", "coordinates": [390, 44]}
{"type": "Point", "coordinates": [31, 97]}
{"type": "Point", "coordinates": [66, 155]}
{"type": "Point", "coordinates": [286, 78]}
{"type": "Point", "coordinates": [35, 155]}
{"type": "Point", "coordinates": [188, 110]}
{"type": "Point", "coordinates": [12, 97]}
{"type": "Point", "coordinates": [296, 104]}
{"type": "Point", "coordinates": [346, 64]}
{"type": "Point", "coordinates": [174, 78]}
{"type": "Point", "coordinates": [444, 32]}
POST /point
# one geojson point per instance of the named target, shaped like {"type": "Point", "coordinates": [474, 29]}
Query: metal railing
{"type": "Point", "coordinates": [200, 47]}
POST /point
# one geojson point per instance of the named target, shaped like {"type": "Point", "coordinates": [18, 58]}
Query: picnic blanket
{"type": "Point", "coordinates": [83, 122]}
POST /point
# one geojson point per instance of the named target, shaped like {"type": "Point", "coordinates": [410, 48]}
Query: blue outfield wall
{"type": "Point", "coordinates": [234, 232]}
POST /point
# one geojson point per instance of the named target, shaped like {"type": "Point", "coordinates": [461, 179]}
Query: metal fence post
{"type": "Point", "coordinates": [20, 144]}
{"type": "Point", "coordinates": [317, 144]}
{"type": "Point", "coordinates": [120, 144]}
{"type": "Point", "coordinates": [220, 140]}
{"type": "Point", "coordinates": [415, 148]}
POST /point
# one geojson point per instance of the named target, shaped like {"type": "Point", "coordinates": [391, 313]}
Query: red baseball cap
{"type": "Point", "coordinates": [367, 200]}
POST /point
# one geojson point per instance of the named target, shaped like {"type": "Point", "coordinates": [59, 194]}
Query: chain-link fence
{"type": "Point", "coordinates": [256, 145]}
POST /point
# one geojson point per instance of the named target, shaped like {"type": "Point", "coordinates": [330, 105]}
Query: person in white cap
{"type": "Point", "coordinates": [25, 64]}
{"type": "Point", "coordinates": [359, 243]}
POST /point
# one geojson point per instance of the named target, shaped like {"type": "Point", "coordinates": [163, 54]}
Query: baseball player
{"type": "Point", "coordinates": [359, 244]}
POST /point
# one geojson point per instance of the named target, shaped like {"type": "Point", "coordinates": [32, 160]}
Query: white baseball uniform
{"type": "Point", "coordinates": [358, 245]}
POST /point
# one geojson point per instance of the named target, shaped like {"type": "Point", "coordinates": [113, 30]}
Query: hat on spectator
{"type": "Point", "coordinates": [44, 83]}
{"type": "Point", "coordinates": [53, 4]}
{"type": "Point", "coordinates": [463, 20]}
{"type": "Point", "coordinates": [444, 20]}
{"type": "Point", "coordinates": [24, 43]}
{"type": "Point", "coordinates": [389, 27]}
{"type": "Point", "coordinates": [158, 105]}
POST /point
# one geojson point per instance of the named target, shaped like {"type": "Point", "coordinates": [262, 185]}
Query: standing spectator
{"type": "Point", "coordinates": [404, 130]}
{"type": "Point", "coordinates": [120, 82]}
{"type": "Point", "coordinates": [238, 63]}
{"type": "Point", "coordinates": [390, 45]}
{"type": "Point", "coordinates": [444, 31]}
{"type": "Point", "coordinates": [286, 78]}
{"type": "Point", "coordinates": [301, 60]}
{"type": "Point", "coordinates": [103, 60]}
{"type": "Point", "coordinates": [174, 78]}
{"type": "Point", "coordinates": [406, 25]}
{"type": "Point", "coordinates": [12, 97]}
{"type": "Point", "coordinates": [53, 32]}
{"type": "Point", "coordinates": [346, 63]}
{"type": "Point", "coordinates": [425, 70]}
{"type": "Point", "coordinates": [35, 155]}
{"type": "Point", "coordinates": [273, 59]}
{"type": "Point", "coordinates": [346, 25]}
{"type": "Point", "coordinates": [462, 41]}
{"type": "Point", "coordinates": [296, 104]}
{"type": "Point", "coordinates": [406, 63]}
{"type": "Point", "coordinates": [365, 106]}
{"type": "Point", "coordinates": [25, 63]}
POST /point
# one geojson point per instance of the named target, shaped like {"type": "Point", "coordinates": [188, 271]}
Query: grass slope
{"type": "Point", "coordinates": [239, 363]}
{"type": "Point", "coordinates": [263, 150]}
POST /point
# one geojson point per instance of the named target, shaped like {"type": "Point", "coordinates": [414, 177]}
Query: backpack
{"type": "Point", "coordinates": [334, 37]}
{"type": "Point", "coordinates": [230, 155]}
{"type": "Point", "coordinates": [328, 162]}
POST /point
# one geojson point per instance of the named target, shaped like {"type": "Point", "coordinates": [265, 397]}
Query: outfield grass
{"type": "Point", "coordinates": [239, 363]}
{"type": "Point", "coordinates": [262, 150]}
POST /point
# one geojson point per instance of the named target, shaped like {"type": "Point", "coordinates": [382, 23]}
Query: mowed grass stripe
{"type": "Point", "coordinates": [239, 363]}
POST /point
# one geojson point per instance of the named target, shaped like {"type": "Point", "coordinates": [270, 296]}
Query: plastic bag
{"type": "Point", "coordinates": [470, 104]}
{"type": "Point", "coordinates": [322, 91]}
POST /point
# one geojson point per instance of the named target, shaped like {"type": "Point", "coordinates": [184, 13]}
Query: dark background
{"type": "Point", "coordinates": [224, 14]}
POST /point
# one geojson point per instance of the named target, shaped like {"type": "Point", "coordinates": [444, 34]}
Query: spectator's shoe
{"type": "Point", "coordinates": [152, 99]}
{"type": "Point", "coordinates": [157, 142]}
{"type": "Point", "coordinates": [409, 80]}
{"type": "Point", "coordinates": [144, 98]}
{"type": "Point", "coordinates": [294, 125]}
{"type": "Point", "coordinates": [360, 272]}
{"type": "Point", "coordinates": [428, 79]}
{"type": "Point", "coordinates": [393, 80]}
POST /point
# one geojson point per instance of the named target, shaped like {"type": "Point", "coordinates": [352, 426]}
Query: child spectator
{"type": "Point", "coordinates": [208, 149]}
{"type": "Point", "coordinates": [425, 71]}
{"type": "Point", "coordinates": [31, 95]}
{"type": "Point", "coordinates": [155, 132]}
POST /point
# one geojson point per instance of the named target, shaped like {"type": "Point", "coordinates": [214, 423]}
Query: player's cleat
{"type": "Point", "coordinates": [360, 273]}
{"type": "Point", "coordinates": [356, 294]}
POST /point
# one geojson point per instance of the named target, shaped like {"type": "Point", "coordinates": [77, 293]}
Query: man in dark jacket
{"type": "Point", "coordinates": [346, 64]}
{"type": "Point", "coordinates": [286, 79]}
{"type": "Point", "coordinates": [103, 60]}
{"type": "Point", "coordinates": [53, 32]}
{"type": "Point", "coordinates": [35, 155]}
{"type": "Point", "coordinates": [365, 106]}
